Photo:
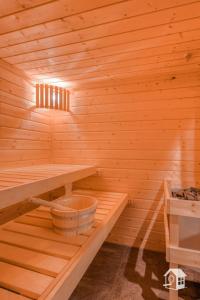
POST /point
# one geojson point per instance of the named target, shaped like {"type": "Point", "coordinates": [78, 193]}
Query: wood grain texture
{"type": "Point", "coordinates": [26, 282]}
{"type": "Point", "coordinates": [88, 43]}
{"type": "Point", "coordinates": [40, 264]}
{"type": "Point", "coordinates": [134, 112]}
{"type": "Point", "coordinates": [138, 134]}
{"type": "Point", "coordinates": [181, 249]}
{"type": "Point", "coordinates": [7, 295]}
{"type": "Point", "coordinates": [24, 131]}
{"type": "Point", "coordinates": [14, 189]}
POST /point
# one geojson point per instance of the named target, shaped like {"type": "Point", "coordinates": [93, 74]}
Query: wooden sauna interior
{"type": "Point", "coordinates": [131, 72]}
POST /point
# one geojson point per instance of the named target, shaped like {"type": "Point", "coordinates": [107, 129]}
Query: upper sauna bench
{"type": "Point", "coordinates": [18, 184]}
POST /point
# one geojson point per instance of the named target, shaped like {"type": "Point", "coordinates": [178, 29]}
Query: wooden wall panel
{"type": "Point", "coordinates": [138, 133]}
{"type": "Point", "coordinates": [24, 131]}
{"type": "Point", "coordinates": [135, 109]}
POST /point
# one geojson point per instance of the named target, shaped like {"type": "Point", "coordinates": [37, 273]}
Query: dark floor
{"type": "Point", "coordinates": [120, 272]}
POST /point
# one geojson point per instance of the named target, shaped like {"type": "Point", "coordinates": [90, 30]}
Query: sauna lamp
{"type": "Point", "coordinates": [53, 97]}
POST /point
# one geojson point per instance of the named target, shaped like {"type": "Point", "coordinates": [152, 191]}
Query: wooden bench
{"type": "Point", "coordinates": [36, 263]}
{"type": "Point", "coordinates": [18, 184]}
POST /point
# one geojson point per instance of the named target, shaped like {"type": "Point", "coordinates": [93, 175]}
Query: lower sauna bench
{"type": "Point", "coordinates": [36, 263]}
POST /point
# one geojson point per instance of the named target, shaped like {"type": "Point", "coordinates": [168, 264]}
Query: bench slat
{"type": "Point", "coordinates": [38, 222]}
{"type": "Point", "coordinates": [32, 260]}
{"type": "Point", "coordinates": [38, 244]}
{"type": "Point", "coordinates": [45, 233]}
{"type": "Point", "coordinates": [28, 283]}
{"type": "Point", "coordinates": [8, 295]}
{"type": "Point", "coordinates": [17, 189]}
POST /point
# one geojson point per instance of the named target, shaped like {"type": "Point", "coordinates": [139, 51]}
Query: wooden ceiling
{"type": "Point", "coordinates": [82, 42]}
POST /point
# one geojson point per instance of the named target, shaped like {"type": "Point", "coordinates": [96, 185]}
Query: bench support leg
{"type": "Point", "coordinates": [173, 294]}
{"type": "Point", "coordinates": [68, 189]}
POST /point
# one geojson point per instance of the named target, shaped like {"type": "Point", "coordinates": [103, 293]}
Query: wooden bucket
{"type": "Point", "coordinates": [78, 220]}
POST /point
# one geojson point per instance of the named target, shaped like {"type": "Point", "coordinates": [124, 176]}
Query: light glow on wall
{"type": "Point", "coordinates": [51, 96]}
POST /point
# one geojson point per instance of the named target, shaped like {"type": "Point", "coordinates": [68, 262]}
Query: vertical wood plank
{"type": "Point", "coordinates": [174, 241]}
{"type": "Point", "coordinates": [41, 95]}
{"type": "Point", "coordinates": [61, 98]}
{"type": "Point", "coordinates": [173, 294]}
{"type": "Point", "coordinates": [56, 97]}
{"type": "Point", "coordinates": [46, 95]}
{"type": "Point", "coordinates": [67, 108]}
{"type": "Point", "coordinates": [37, 94]}
{"type": "Point", "coordinates": [174, 230]}
{"type": "Point", "coordinates": [66, 100]}
{"type": "Point", "coordinates": [51, 96]}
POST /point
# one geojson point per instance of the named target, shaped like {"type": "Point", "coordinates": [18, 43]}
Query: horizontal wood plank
{"type": "Point", "coordinates": [44, 233]}
{"type": "Point", "coordinates": [8, 295]}
{"type": "Point", "coordinates": [39, 244]}
{"type": "Point", "coordinates": [54, 178]}
{"type": "Point", "coordinates": [28, 283]}
{"type": "Point", "coordinates": [31, 260]}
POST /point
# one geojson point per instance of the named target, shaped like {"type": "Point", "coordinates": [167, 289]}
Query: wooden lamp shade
{"type": "Point", "coordinates": [50, 96]}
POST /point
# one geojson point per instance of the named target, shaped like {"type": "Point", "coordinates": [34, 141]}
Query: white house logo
{"type": "Point", "coordinates": [174, 279]}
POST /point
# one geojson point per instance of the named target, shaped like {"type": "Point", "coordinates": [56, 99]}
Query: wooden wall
{"type": "Point", "coordinates": [138, 132]}
{"type": "Point", "coordinates": [135, 110]}
{"type": "Point", "coordinates": [24, 131]}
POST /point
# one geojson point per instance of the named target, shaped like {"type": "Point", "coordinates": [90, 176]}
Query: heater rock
{"type": "Point", "coordinates": [191, 193]}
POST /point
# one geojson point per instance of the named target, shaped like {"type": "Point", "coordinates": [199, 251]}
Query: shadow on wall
{"type": "Point", "coordinates": [154, 215]}
{"type": "Point", "coordinates": [144, 267]}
